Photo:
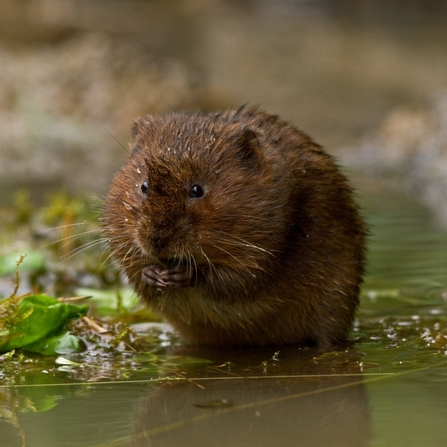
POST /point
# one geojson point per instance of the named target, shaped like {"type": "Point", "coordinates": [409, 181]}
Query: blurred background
{"type": "Point", "coordinates": [366, 79]}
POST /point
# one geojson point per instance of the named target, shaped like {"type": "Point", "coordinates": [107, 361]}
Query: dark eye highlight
{"type": "Point", "coordinates": [144, 187]}
{"type": "Point", "coordinates": [196, 192]}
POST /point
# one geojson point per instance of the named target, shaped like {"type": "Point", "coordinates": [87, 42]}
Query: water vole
{"type": "Point", "coordinates": [238, 229]}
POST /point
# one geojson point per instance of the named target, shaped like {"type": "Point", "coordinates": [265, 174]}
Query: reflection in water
{"type": "Point", "coordinates": [283, 407]}
{"type": "Point", "coordinates": [329, 411]}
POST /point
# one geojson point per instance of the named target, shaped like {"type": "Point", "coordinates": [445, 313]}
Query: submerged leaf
{"type": "Point", "coordinates": [64, 343]}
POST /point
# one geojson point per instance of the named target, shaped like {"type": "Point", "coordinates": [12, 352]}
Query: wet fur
{"type": "Point", "coordinates": [275, 247]}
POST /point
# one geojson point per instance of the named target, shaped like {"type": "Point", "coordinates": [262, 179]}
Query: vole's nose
{"type": "Point", "coordinates": [159, 242]}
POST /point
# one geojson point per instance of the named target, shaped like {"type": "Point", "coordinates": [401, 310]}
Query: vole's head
{"type": "Point", "coordinates": [191, 191]}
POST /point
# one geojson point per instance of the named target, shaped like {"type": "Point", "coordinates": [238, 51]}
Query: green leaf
{"type": "Point", "coordinates": [39, 316]}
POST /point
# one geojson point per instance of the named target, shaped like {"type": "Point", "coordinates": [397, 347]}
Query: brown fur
{"type": "Point", "coordinates": [271, 253]}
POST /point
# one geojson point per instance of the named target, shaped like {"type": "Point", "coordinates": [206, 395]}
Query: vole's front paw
{"type": "Point", "coordinates": [161, 277]}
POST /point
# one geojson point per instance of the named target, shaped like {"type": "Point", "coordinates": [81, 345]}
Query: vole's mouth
{"type": "Point", "coordinates": [173, 262]}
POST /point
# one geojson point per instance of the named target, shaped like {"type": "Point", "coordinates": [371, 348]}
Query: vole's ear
{"type": "Point", "coordinates": [249, 148]}
{"type": "Point", "coordinates": [141, 128]}
{"type": "Point", "coordinates": [141, 125]}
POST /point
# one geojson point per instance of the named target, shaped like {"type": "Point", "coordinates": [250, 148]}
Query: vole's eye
{"type": "Point", "coordinates": [196, 192]}
{"type": "Point", "coordinates": [144, 187]}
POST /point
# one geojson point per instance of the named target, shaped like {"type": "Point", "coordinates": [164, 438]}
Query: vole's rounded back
{"type": "Point", "coordinates": [238, 229]}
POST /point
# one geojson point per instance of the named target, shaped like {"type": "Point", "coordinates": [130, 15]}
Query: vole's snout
{"type": "Point", "coordinates": [159, 242]}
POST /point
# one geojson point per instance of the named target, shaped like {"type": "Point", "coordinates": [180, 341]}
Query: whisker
{"type": "Point", "coordinates": [211, 265]}
{"type": "Point", "coordinates": [75, 224]}
{"type": "Point", "coordinates": [107, 261]}
{"type": "Point", "coordinates": [236, 259]}
{"type": "Point", "coordinates": [196, 270]}
{"type": "Point", "coordinates": [81, 249]}
{"type": "Point", "coordinates": [67, 240]}
{"type": "Point", "coordinates": [238, 241]}
{"type": "Point", "coordinates": [116, 139]}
